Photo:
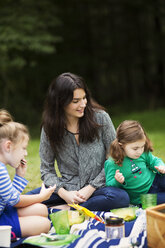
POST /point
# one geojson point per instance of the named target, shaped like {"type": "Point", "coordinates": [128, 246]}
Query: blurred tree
{"type": "Point", "coordinates": [27, 29]}
{"type": "Point", "coordinates": [118, 46]}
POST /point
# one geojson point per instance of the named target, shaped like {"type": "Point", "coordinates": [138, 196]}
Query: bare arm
{"type": "Point", "coordinates": [27, 200]}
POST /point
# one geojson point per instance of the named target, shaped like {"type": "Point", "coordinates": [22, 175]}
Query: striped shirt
{"type": "Point", "coordinates": [10, 192]}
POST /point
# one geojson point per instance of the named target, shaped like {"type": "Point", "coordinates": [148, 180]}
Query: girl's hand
{"type": "Point", "coordinates": [27, 200]}
{"type": "Point", "coordinates": [45, 193]}
{"type": "Point", "coordinates": [119, 177]}
{"type": "Point", "coordinates": [22, 168]}
{"type": "Point", "coordinates": [160, 168]}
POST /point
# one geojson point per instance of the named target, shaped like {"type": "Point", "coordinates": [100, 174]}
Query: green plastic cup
{"type": "Point", "coordinates": [60, 222]}
{"type": "Point", "coordinates": [148, 200]}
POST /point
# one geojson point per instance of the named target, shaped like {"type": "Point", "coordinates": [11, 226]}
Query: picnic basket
{"type": "Point", "coordinates": [156, 226]}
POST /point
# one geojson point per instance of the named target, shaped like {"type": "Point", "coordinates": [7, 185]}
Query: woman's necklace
{"type": "Point", "coordinates": [72, 132]}
{"type": "Point", "coordinates": [135, 168]}
{"type": "Point", "coordinates": [71, 127]}
{"type": "Point", "coordinates": [75, 133]}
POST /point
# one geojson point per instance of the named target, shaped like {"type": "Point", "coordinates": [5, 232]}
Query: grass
{"type": "Point", "coordinates": [152, 121]}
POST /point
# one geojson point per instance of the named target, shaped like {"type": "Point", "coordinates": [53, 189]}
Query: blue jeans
{"type": "Point", "coordinates": [158, 187]}
{"type": "Point", "coordinates": [102, 199]}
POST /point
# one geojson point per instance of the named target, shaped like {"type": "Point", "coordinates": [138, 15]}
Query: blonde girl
{"type": "Point", "coordinates": [132, 166]}
{"type": "Point", "coordinates": [24, 213]}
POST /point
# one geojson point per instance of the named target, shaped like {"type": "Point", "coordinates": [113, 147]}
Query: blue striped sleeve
{"type": "Point", "coordinates": [19, 183]}
{"type": "Point", "coordinates": [8, 194]}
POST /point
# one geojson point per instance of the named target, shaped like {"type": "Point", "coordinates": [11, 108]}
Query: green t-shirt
{"type": "Point", "coordinates": [139, 174]}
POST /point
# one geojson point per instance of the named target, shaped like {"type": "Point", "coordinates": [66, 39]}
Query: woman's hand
{"type": "Point", "coordinates": [22, 168]}
{"type": "Point", "coordinates": [70, 196]}
{"type": "Point", "coordinates": [45, 193]}
{"type": "Point", "coordinates": [86, 192]}
{"type": "Point", "coordinates": [160, 168]}
{"type": "Point", "coordinates": [119, 177]}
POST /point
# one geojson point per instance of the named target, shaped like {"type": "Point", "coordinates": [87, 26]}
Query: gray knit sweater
{"type": "Point", "coordinates": [79, 165]}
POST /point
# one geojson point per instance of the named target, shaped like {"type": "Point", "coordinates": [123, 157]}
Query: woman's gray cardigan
{"type": "Point", "coordinates": [79, 165]}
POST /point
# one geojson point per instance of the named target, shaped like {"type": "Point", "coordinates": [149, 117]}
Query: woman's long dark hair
{"type": "Point", "coordinates": [60, 94]}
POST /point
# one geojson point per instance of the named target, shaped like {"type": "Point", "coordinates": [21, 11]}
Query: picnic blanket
{"type": "Point", "coordinates": [92, 235]}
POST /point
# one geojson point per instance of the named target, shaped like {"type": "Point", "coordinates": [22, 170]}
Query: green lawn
{"type": "Point", "coordinates": [153, 122]}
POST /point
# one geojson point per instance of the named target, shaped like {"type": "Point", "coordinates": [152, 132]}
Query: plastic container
{"type": "Point", "coordinates": [148, 200]}
{"type": "Point", "coordinates": [60, 222]}
{"type": "Point", "coordinates": [5, 236]}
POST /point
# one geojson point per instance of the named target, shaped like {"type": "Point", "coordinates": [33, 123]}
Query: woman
{"type": "Point", "coordinates": [77, 132]}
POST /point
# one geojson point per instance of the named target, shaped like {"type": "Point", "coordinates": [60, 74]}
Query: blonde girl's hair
{"type": "Point", "coordinates": [5, 116]}
{"type": "Point", "coordinates": [14, 131]}
{"type": "Point", "coordinates": [128, 131]}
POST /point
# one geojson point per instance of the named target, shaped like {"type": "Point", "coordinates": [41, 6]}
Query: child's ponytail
{"type": "Point", "coordinates": [11, 130]}
{"type": "Point", "coordinates": [116, 152]}
{"type": "Point", "coordinates": [5, 117]}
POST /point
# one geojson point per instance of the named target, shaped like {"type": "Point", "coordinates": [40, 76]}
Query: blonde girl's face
{"type": "Point", "coordinates": [134, 150]}
{"type": "Point", "coordinates": [76, 108]}
{"type": "Point", "coordinates": [18, 152]}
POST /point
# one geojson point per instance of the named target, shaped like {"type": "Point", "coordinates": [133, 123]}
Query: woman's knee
{"type": "Point", "coordinates": [117, 195]}
{"type": "Point", "coordinates": [107, 198]}
{"type": "Point", "coordinates": [123, 197]}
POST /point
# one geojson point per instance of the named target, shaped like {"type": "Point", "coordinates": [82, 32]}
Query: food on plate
{"type": "Point", "coordinates": [75, 217]}
{"type": "Point", "coordinates": [127, 214]}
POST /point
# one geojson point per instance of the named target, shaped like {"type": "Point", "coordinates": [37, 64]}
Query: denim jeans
{"type": "Point", "coordinates": [158, 187]}
{"type": "Point", "coordinates": [102, 199]}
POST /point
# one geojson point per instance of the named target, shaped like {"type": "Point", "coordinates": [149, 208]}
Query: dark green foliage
{"type": "Point", "coordinates": [27, 31]}
{"type": "Point", "coordinates": [118, 46]}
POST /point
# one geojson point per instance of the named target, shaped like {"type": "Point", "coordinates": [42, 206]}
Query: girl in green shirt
{"type": "Point", "coordinates": [132, 166]}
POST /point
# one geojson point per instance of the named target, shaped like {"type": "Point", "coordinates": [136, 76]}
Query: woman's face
{"type": "Point", "coordinates": [76, 108]}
